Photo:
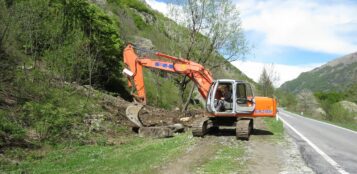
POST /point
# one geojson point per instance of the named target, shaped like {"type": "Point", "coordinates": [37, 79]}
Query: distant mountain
{"type": "Point", "coordinates": [336, 75]}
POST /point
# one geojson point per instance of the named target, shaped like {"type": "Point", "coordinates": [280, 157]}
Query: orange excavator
{"type": "Point", "coordinates": [229, 103]}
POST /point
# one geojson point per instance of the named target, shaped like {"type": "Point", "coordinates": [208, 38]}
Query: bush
{"type": "Point", "coordinates": [76, 38]}
{"type": "Point", "coordinates": [50, 122]}
{"type": "Point", "coordinates": [103, 32]}
{"type": "Point", "coordinates": [138, 21]}
{"type": "Point", "coordinates": [286, 99]}
{"type": "Point", "coordinates": [339, 114]}
{"type": "Point", "coordinates": [330, 97]}
{"type": "Point", "coordinates": [135, 4]}
{"type": "Point", "coordinates": [335, 111]}
{"type": "Point", "coordinates": [9, 130]}
{"type": "Point", "coordinates": [351, 93]}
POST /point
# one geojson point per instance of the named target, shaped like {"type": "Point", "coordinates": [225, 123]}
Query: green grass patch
{"type": "Point", "coordinates": [348, 125]}
{"type": "Point", "coordinates": [276, 127]}
{"type": "Point", "coordinates": [351, 125]}
{"type": "Point", "coordinates": [137, 156]}
{"type": "Point", "coordinates": [228, 158]}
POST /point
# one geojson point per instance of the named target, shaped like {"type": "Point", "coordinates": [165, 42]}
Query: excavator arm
{"type": "Point", "coordinates": [134, 70]}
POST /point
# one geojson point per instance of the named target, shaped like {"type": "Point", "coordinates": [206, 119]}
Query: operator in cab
{"type": "Point", "coordinates": [223, 94]}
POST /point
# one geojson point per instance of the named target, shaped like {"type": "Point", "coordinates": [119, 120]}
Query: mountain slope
{"type": "Point", "coordinates": [48, 48]}
{"type": "Point", "coordinates": [149, 29]}
{"type": "Point", "coordinates": [336, 75]}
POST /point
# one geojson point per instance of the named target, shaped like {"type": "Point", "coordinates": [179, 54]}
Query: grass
{"type": "Point", "coordinates": [227, 159]}
{"type": "Point", "coordinates": [276, 127]}
{"type": "Point", "coordinates": [139, 155]}
{"type": "Point", "coordinates": [348, 125]}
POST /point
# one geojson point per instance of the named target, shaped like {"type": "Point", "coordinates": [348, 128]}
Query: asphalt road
{"type": "Point", "coordinates": [325, 148]}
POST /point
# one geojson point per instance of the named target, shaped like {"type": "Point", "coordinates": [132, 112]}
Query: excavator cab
{"type": "Point", "coordinates": [230, 97]}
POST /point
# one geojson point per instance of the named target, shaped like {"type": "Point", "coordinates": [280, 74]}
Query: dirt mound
{"type": "Point", "coordinates": [152, 116]}
{"type": "Point", "coordinates": [149, 115]}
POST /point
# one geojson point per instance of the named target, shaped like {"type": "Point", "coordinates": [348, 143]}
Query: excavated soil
{"type": "Point", "coordinates": [149, 115]}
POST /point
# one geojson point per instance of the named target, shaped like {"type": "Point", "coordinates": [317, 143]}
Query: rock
{"type": "Point", "coordinates": [155, 132]}
{"type": "Point", "coordinates": [177, 127]}
{"type": "Point", "coordinates": [170, 32]}
{"type": "Point", "coordinates": [101, 3]}
{"type": "Point", "coordinates": [142, 43]}
{"type": "Point", "coordinates": [350, 106]}
{"type": "Point", "coordinates": [95, 122]}
{"type": "Point", "coordinates": [185, 119]}
{"type": "Point", "coordinates": [88, 87]}
{"type": "Point", "coordinates": [320, 111]}
{"type": "Point", "coordinates": [161, 131]}
{"type": "Point", "coordinates": [10, 102]}
{"type": "Point", "coordinates": [146, 17]}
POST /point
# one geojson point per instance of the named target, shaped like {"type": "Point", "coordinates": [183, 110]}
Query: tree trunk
{"type": "Point", "coordinates": [188, 98]}
{"type": "Point", "coordinates": [182, 88]}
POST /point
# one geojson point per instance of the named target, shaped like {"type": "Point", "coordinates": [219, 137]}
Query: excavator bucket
{"type": "Point", "coordinates": [132, 113]}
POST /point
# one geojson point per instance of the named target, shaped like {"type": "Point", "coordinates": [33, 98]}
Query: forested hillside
{"type": "Point", "coordinates": [149, 29]}
{"type": "Point", "coordinates": [61, 63]}
{"type": "Point", "coordinates": [337, 75]}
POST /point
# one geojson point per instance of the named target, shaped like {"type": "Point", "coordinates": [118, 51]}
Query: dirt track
{"type": "Point", "coordinates": [263, 154]}
{"type": "Point", "coordinates": [193, 157]}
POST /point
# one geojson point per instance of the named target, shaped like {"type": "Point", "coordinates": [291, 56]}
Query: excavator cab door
{"type": "Point", "coordinates": [220, 98]}
{"type": "Point", "coordinates": [244, 98]}
{"type": "Point", "coordinates": [210, 100]}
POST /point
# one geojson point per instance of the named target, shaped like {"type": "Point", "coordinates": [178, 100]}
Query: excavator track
{"type": "Point", "coordinates": [244, 127]}
{"type": "Point", "coordinates": [200, 127]}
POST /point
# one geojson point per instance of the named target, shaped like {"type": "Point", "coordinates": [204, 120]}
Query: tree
{"type": "Point", "coordinates": [4, 26]}
{"type": "Point", "coordinates": [214, 29]}
{"type": "Point", "coordinates": [352, 93]}
{"type": "Point", "coordinates": [286, 99]}
{"type": "Point", "coordinates": [267, 80]}
{"type": "Point", "coordinates": [306, 101]}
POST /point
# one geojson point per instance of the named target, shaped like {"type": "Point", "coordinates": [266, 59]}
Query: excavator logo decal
{"type": "Point", "coordinates": [164, 65]}
{"type": "Point", "coordinates": [263, 111]}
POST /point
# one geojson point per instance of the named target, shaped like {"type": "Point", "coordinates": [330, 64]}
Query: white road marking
{"type": "Point", "coordinates": [318, 150]}
{"type": "Point", "coordinates": [286, 115]}
{"type": "Point", "coordinates": [349, 130]}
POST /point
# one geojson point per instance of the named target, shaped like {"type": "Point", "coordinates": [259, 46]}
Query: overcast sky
{"type": "Point", "coordinates": [294, 35]}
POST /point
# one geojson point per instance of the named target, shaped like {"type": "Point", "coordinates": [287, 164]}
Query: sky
{"type": "Point", "coordinates": [295, 35]}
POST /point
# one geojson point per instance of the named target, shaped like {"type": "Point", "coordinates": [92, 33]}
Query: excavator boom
{"type": "Point", "coordinates": [196, 72]}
